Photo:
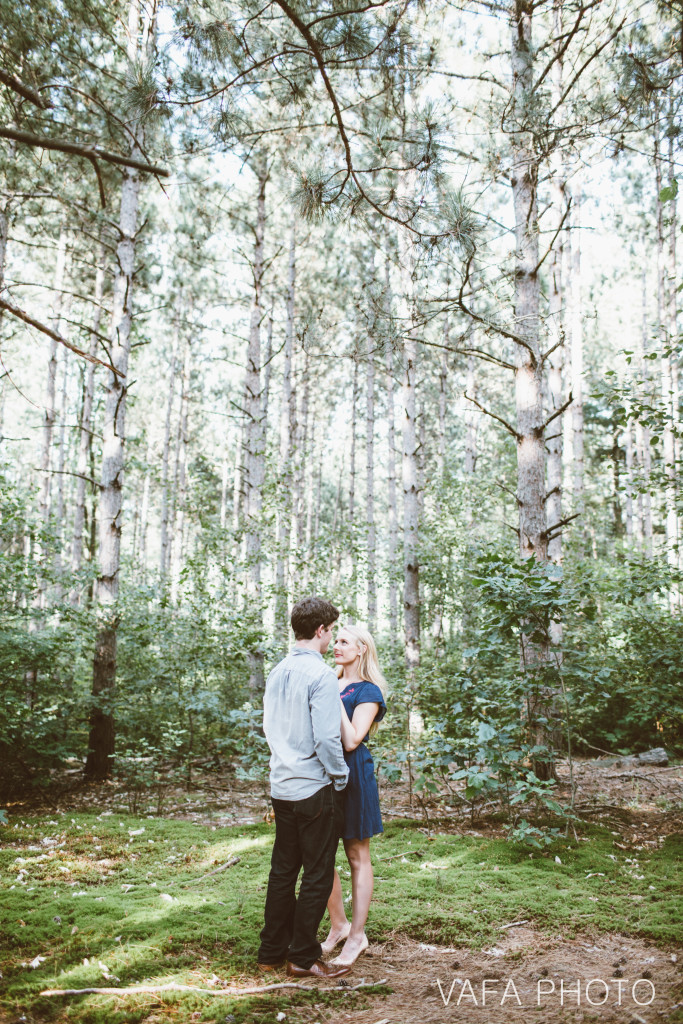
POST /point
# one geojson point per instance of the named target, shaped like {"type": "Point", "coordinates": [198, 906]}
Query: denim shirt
{"type": "Point", "coordinates": [302, 723]}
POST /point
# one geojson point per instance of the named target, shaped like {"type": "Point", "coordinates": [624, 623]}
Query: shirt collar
{"type": "Point", "coordinates": [307, 650]}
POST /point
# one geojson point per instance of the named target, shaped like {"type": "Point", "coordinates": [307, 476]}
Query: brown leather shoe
{"type": "Point", "coordinates": [266, 968]}
{"type": "Point", "coordinates": [316, 970]}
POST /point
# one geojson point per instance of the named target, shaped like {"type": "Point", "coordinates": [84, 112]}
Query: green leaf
{"type": "Point", "coordinates": [669, 192]}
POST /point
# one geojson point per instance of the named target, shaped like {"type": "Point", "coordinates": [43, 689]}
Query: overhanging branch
{"type": "Point", "coordinates": [91, 153]}
{"type": "Point", "coordinates": [16, 85]}
{"type": "Point", "coordinates": [44, 329]}
{"type": "Point", "coordinates": [494, 416]}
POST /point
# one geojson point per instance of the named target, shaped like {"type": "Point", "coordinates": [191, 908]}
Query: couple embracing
{"type": "Point", "coordinates": [323, 788]}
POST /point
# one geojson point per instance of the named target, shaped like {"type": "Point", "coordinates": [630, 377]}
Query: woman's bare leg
{"type": "Point", "coordinates": [339, 925]}
{"type": "Point", "coordinates": [362, 881]}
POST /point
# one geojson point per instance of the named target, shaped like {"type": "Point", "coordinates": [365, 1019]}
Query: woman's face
{"type": "Point", "coordinates": [347, 650]}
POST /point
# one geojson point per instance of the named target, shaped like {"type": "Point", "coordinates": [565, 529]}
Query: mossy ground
{"type": "Point", "coordinates": [116, 897]}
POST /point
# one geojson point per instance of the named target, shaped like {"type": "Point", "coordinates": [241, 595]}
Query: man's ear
{"type": "Point", "coordinates": [320, 630]}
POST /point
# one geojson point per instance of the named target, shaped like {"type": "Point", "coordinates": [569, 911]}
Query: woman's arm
{"type": "Point", "coordinates": [354, 731]}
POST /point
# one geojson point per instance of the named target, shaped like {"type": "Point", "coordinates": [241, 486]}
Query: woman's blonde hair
{"type": "Point", "coordinates": [368, 666]}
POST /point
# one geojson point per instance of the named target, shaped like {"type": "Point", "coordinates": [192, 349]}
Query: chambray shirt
{"type": "Point", "coordinates": [302, 723]}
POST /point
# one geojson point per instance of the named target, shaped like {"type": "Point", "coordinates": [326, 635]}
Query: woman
{"type": "Point", "coordinates": [363, 691]}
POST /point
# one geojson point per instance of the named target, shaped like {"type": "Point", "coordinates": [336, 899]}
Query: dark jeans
{"type": "Point", "coordinates": [306, 835]}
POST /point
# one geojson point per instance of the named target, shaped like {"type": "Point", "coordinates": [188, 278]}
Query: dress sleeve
{"type": "Point", "coordinates": [370, 693]}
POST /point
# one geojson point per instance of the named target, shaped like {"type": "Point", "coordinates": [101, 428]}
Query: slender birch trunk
{"type": "Point", "coordinates": [165, 546]}
{"type": "Point", "coordinates": [577, 361]}
{"type": "Point", "coordinates": [555, 393]}
{"type": "Point", "coordinates": [391, 491]}
{"type": "Point", "coordinates": [443, 382]}
{"type": "Point", "coordinates": [643, 447]}
{"type": "Point", "coordinates": [51, 389]}
{"type": "Point", "coordinates": [664, 321]}
{"type": "Point", "coordinates": [144, 513]}
{"type": "Point", "coordinates": [180, 507]}
{"type": "Point", "coordinates": [61, 473]}
{"type": "Point", "coordinates": [255, 441]}
{"type": "Point", "coordinates": [673, 323]}
{"type": "Point", "coordinates": [353, 530]}
{"type": "Point", "coordinates": [85, 428]}
{"type": "Point", "coordinates": [101, 742]}
{"type": "Point", "coordinates": [410, 471]}
{"type": "Point", "coordinates": [370, 483]}
{"type": "Point", "coordinates": [301, 454]}
{"type": "Point", "coordinates": [471, 420]}
{"type": "Point", "coordinates": [630, 482]}
{"type": "Point", "coordinates": [287, 434]}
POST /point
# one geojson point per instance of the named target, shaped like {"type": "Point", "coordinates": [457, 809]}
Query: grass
{"type": "Point", "coordinates": [117, 897]}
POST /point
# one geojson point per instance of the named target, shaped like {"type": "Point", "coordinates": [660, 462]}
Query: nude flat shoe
{"type": "Point", "coordinates": [340, 961]}
{"type": "Point", "coordinates": [327, 947]}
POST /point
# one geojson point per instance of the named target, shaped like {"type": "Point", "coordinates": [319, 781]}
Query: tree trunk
{"type": "Point", "coordinates": [165, 540]}
{"type": "Point", "coordinates": [471, 420]}
{"type": "Point", "coordinates": [180, 509]}
{"type": "Point", "coordinates": [391, 489]}
{"type": "Point", "coordinates": [443, 382]}
{"type": "Point", "coordinates": [85, 428]}
{"type": "Point", "coordinates": [61, 474]}
{"type": "Point", "coordinates": [370, 483]}
{"type": "Point", "coordinates": [555, 391]}
{"type": "Point", "coordinates": [255, 443]}
{"type": "Point", "coordinates": [144, 513]}
{"type": "Point", "coordinates": [101, 742]}
{"type": "Point", "coordinates": [50, 391]}
{"type": "Point", "coordinates": [576, 343]}
{"type": "Point", "coordinates": [643, 448]}
{"type": "Point", "coordinates": [287, 433]}
{"type": "Point", "coordinates": [531, 467]}
{"type": "Point", "coordinates": [410, 471]}
{"type": "Point", "coordinates": [628, 503]}
{"type": "Point", "coordinates": [664, 323]}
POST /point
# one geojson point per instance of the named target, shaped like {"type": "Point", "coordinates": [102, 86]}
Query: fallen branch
{"type": "Point", "coordinates": [513, 924]}
{"type": "Point", "coordinates": [395, 856]}
{"type": "Point", "coordinates": [228, 864]}
{"type": "Point", "coordinates": [157, 989]}
{"type": "Point", "coordinates": [44, 329]}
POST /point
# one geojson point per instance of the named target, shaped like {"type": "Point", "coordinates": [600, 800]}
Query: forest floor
{"type": "Point", "coordinates": [94, 896]}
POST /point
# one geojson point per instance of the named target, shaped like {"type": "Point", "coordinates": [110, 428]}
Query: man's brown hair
{"type": "Point", "coordinates": [310, 613]}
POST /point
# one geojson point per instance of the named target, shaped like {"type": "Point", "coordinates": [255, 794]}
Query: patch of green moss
{"type": "Point", "coordinates": [100, 899]}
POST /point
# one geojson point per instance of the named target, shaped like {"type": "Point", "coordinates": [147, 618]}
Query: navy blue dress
{"type": "Point", "coordinates": [362, 817]}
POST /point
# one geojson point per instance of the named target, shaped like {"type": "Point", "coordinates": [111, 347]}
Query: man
{"type": "Point", "coordinates": [301, 720]}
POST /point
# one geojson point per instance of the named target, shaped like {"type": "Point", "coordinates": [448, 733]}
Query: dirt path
{"type": "Point", "coordinates": [529, 977]}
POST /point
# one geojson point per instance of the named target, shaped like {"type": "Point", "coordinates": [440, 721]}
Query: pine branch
{"type": "Point", "coordinates": [16, 85]}
{"type": "Point", "coordinates": [559, 524]}
{"type": "Point", "coordinates": [92, 153]}
{"type": "Point", "coordinates": [558, 412]}
{"type": "Point", "coordinates": [494, 416]}
{"type": "Point", "coordinates": [27, 319]}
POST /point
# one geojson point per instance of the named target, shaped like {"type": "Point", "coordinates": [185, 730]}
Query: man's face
{"type": "Point", "coordinates": [325, 634]}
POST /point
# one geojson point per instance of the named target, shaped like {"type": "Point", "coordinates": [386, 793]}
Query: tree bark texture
{"type": "Point", "coordinates": [85, 427]}
{"type": "Point", "coordinates": [287, 428]}
{"type": "Point", "coordinates": [391, 489]}
{"type": "Point", "coordinates": [370, 482]}
{"type": "Point", "coordinates": [531, 462]}
{"type": "Point", "coordinates": [664, 323]}
{"type": "Point", "coordinates": [255, 455]}
{"type": "Point", "coordinates": [165, 544]}
{"type": "Point", "coordinates": [410, 474]}
{"type": "Point", "coordinates": [101, 741]}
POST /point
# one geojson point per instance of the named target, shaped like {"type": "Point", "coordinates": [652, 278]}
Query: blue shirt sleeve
{"type": "Point", "coordinates": [370, 693]}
